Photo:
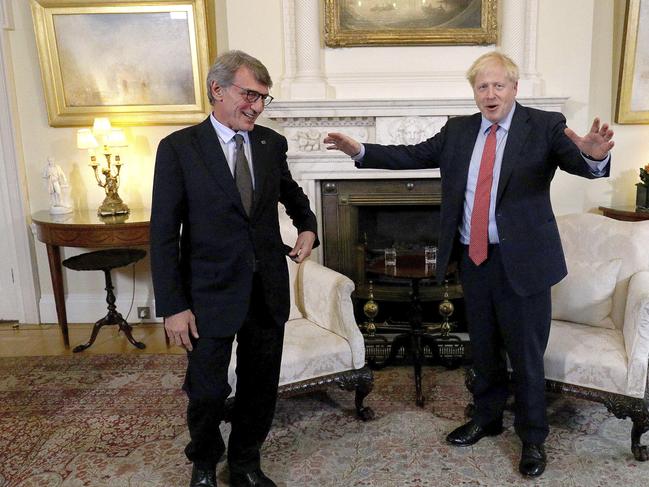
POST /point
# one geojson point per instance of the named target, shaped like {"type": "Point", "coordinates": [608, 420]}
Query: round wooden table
{"type": "Point", "coordinates": [413, 268]}
{"type": "Point", "coordinates": [84, 228]}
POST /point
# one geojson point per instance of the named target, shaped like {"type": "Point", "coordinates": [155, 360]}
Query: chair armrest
{"type": "Point", "coordinates": [325, 298]}
{"type": "Point", "coordinates": [636, 332]}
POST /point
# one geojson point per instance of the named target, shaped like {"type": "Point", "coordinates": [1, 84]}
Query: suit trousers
{"type": "Point", "coordinates": [259, 355]}
{"type": "Point", "coordinates": [500, 321]}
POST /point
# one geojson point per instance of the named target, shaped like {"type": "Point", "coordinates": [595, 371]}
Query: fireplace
{"type": "Point", "coordinates": [361, 218]}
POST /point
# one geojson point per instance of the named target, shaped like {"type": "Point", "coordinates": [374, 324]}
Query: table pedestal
{"type": "Point", "coordinates": [417, 337]}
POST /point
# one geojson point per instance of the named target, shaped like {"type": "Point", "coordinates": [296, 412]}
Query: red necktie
{"type": "Point", "coordinates": [479, 238]}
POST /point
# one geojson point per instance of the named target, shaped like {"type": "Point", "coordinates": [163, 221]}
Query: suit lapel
{"type": "Point", "coordinates": [518, 133]}
{"type": "Point", "coordinates": [467, 143]}
{"type": "Point", "coordinates": [215, 161]}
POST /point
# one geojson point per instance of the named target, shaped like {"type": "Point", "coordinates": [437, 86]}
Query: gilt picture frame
{"type": "Point", "coordinates": [633, 87]}
{"type": "Point", "coordinates": [136, 62]}
{"type": "Point", "coordinates": [407, 22]}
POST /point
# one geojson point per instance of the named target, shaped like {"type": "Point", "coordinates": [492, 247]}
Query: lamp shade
{"type": "Point", "coordinates": [101, 126]}
{"type": "Point", "coordinates": [116, 138]}
{"type": "Point", "coordinates": [85, 139]}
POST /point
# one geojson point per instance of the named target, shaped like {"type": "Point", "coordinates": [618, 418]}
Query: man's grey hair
{"type": "Point", "coordinates": [226, 65]}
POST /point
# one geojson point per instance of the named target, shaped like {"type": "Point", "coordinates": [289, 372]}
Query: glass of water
{"type": "Point", "coordinates": [430, 255]}
{"type": "Point", "coordinates": [390, 256]}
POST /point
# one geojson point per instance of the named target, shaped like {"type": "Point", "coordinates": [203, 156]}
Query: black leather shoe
{"type": "Point", "coordinates": [533, 460]}
{"type": "Point", "coordinates": [256, 478]}
{"type": "Point", "coordinates": [470, 433]}
{"type": "Point", "coordinates": [203, 477]}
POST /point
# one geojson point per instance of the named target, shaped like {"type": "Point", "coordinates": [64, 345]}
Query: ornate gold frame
{"type": "Point", "coordinates": [337, 36]}
{"type": "Point", "coordinates": [61, 113]}
{"type": "Point", "coordinates": [628, 64]}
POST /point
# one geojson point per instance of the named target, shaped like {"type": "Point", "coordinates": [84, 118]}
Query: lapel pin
{"type": "Point", "coordinates": [263, 142]}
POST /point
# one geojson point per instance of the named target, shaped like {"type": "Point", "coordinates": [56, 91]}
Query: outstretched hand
{"type": "Point", "coordinates": [596, 143]}
{"type": "Point", "coordinates": [342, 142]}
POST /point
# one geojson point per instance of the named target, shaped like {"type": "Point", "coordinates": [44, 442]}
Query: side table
{"type": "Point", "coordinates": [411, 267]}
{"type": "Point", "coordinates": [624, 213]}
{"type": "Point", "coordinates": [84, 228]}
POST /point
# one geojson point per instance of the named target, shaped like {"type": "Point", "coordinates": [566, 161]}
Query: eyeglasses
{"type": "Point", "coordinates": [252, 96]}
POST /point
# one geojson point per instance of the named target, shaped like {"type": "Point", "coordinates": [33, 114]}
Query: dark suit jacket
{"type": "Point", "coordinates": [203, 245]}
{"type": "Point", "coordinates": [536, 146]}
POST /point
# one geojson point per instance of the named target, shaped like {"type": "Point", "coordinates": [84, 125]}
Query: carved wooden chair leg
{"type": "Point", "coordinates": [640, 427]}
{"type": "Point", "coordinates": [95, 331]}
{"type": "Point", "coordinates": [128, 331]}
{"type": "Point", "coordinates": [363, 388]}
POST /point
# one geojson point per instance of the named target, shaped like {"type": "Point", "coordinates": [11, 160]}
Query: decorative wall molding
{"type": "Point", "coordinates": [86, 308]}
{"type": "Point", "coordinates": [283, 111]}
{"type": "Point", "coordinates": [13, 188]}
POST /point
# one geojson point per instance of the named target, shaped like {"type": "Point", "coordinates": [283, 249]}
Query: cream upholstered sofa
{"type": "Point", "coordinates": [322, 343]}
{"type": "Point", "coordinates": [599, 340]}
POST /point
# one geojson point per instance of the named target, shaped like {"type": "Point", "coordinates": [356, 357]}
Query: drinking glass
{"type": "Point", "coordinates": [390, 256]}
{"type": "Point", "coordinates": [430, 255]}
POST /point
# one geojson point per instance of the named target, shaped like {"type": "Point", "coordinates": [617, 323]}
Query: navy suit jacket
{"type": "Point", "coordinates": [203, 245]}
{"type": "Point", "coordinates": [536, 146]}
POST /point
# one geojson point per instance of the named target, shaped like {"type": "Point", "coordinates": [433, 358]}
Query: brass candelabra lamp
{"type": "Point", "coordinates": [107, 172]}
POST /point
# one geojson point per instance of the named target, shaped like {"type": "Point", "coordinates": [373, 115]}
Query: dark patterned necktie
{"type": "Point", "coordinates": [242, 175]}
{"type": "Point", "coordinates": [479, 238]}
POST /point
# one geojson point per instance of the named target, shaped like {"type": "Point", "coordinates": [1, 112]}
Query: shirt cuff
{"type": "Point", "coordinates": [597, 168]}
{"type": "Point", "coordinates": [359, 157]}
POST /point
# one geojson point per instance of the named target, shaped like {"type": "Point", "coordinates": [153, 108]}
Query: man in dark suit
{"type": "Point", "coordinates": [497, 220]}
{"type": "Point", "coordinates": [219, 266]}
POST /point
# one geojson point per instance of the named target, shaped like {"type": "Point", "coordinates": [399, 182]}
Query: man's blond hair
{"type": "Point", "coordinates": [493, 57]}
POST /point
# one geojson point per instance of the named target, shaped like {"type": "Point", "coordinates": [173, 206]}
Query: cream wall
{"type": "Point", "coordinates": [576, 59]}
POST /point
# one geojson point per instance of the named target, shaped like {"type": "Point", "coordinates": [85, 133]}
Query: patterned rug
{"type": "Point", "coordinates": [118, 421]}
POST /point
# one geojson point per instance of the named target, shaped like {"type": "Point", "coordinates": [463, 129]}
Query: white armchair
{"type": "Point", "coordinates": [599, 340]}
{"type": "Point", "coordinates": [322, 343]}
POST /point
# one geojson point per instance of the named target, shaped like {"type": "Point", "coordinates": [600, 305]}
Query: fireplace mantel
{"type": "Point", "coordinates": [295, 109]}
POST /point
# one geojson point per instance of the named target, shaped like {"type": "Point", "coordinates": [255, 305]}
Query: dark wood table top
{"type": "Point", "coordinates": [624, 213]}
{"type": "Point", "coordinates": [409, 266]}
{"type": "Point", "coordinates": [84, 228]}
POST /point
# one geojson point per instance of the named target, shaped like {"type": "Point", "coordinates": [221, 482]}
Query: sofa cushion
{"type": "Point", "coordinates": [590, 237]}
{"type": "Point", "coordinates": [326, 353]}
{"type": "Point", "coordinates": [585, 295]}
{"type": "Point", "coordinates": [294, 311]}
{"type": "Point", "coordinates": [587, 356]}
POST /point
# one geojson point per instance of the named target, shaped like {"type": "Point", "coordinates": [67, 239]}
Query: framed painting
{"type": "Point", "coordinates": [399, 22]}
{"type": "Point", "coordinates": [136, 62]}
{"type": "Point", "coordinates": [633, 87]}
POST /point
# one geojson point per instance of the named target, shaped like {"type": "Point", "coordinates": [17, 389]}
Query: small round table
{"type": "Point", "coordinates": [85, 229]}
{"type": "Point", "coordinates": [413, 268]}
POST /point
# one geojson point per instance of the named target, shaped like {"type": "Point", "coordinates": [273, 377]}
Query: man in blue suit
{"type": "Point", "coordinates": [219, 265]}
{"type": "Point", "coordinates": [497, 220]}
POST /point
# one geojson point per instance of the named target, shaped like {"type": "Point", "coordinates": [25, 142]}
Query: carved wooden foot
{"type": "Point", "coordinates": [363, 388]}
{"type": "Point", "coordinates": [640, 452]}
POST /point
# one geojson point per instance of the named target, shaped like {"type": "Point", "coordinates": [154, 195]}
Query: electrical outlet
{"type": "Point", "coordinates": [144, 312]}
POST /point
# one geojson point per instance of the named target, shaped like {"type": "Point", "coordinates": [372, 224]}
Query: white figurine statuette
{"type": "Point", "coordinates": [57, 186]}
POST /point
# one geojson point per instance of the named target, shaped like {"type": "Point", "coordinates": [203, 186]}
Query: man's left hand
{"type": "Point", "coordinates": [595, 144]}
{"type": "Point", "coordinates": [303, 246]}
